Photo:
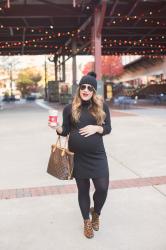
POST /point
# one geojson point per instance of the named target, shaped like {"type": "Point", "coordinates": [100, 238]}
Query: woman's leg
{"type": "Point", "coordinates": [83, 196]}
{"type": "Point", "coordinates": [100, 194]}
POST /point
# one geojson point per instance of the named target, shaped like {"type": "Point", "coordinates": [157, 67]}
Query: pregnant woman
{"type": "Point", "coordinates": [86, 120]}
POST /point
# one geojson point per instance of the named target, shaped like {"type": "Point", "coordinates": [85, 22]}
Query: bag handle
{"type": "Point", "coordinates": [59, 142]}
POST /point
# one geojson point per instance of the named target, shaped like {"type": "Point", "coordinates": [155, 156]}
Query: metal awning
{"type": "Point", "coordinates": [49, 27]}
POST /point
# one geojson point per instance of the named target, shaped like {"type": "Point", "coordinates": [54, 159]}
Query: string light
{"type": "Point", "coordinates": [45, 37]}
{"type": "Point", "coordinates": [67, 49]}
{"type": "Point", "coordinates": [48, 34]}
{"type": "Point", "coordinates": [133, 18]}
{"type": "Point", "coordinates": [147, 54]}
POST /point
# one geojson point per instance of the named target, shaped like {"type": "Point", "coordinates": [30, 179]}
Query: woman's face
{"type": "Point", "coordinates": [86, 92]}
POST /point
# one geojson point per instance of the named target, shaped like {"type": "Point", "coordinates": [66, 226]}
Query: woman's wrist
{"type": "Point", "coordinates": [99, 129]}
{"type": "Point", "coordinates": [59, 129]}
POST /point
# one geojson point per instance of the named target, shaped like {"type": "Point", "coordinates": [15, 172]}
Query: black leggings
{"type": "Point", "coordinates": [99, 196]}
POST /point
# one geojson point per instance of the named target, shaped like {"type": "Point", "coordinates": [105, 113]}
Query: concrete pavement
{"type": "Point", "coordinates": [133, 218]}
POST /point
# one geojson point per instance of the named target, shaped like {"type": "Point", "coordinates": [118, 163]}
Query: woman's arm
{"type": "Point", "coordinates": [64, 130]}
{"type": "Point", "coordinates": [107, 122]}
{"type": "Point", "coordinates": [102, 129]}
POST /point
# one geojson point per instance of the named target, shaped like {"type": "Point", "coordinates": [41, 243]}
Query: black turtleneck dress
{"type": "Point", "coordinates": [90, 160]}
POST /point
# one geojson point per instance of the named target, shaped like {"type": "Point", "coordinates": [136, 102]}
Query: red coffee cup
{"type": "Point", "coordinates": [53, 117]}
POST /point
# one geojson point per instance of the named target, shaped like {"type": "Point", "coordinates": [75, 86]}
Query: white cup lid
{"type": "Point", "coordinates": [53, 112]}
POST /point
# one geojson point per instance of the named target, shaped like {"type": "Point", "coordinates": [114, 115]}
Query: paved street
{"type": "Point", "coordinates": [39, 212]}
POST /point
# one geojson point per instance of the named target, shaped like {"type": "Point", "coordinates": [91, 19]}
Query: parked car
{"type": "Point", "coordinates": [15, 96]}
{"type": "Point", "coordinates": [124, 101]}
{"type": "Point", "coordinates": [30, 97]}
{"type": "Point", "coordinates": [38, 95]}
{"type": "Point", "coordinates": [158, 99]}
{"type": "Point", "coordinates": [33, 96]}
{"type": "Point", "coordinates": [6, 98]}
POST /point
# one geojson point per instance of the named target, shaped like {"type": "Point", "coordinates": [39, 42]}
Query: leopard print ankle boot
{"type": "Point", "coordinates": [95, 219]}
{"type": "Point", "coordinates": [88, 230]}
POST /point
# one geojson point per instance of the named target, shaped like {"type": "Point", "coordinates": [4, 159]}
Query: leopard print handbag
{"type": "Point", "coordinates": [61, 161]}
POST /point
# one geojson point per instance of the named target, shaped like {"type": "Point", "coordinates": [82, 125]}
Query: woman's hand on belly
{"type": "Point", "coordinates": [90, 130]}
{"type": "Point", "coordinates": [79, 143]}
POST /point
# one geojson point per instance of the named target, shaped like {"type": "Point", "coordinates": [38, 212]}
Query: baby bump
{"type": "Point", "coordinates": [79, 143]}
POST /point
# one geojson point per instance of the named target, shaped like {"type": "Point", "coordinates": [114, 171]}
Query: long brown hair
{"type": "Point", "coordinates": [96, 107]}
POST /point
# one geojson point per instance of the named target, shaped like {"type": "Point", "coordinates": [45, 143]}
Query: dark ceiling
{"type": "Point", "coordinates": [49, 26]}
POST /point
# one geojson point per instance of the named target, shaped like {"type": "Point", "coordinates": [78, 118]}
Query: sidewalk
{"type": "Point", "coordinates": [39, 212]}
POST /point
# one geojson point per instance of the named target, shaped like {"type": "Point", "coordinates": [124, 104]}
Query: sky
{"type": "Point", "coordinates": [21, 62]}
{"type": "Point", "coordinates": [37, 60]}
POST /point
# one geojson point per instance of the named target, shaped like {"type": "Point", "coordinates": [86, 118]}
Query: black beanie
{"type": "Point", "coordinates": [89, 80]}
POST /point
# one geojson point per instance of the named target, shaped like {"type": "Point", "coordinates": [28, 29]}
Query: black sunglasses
{"type": "Point", "coordinates": [83, 87]}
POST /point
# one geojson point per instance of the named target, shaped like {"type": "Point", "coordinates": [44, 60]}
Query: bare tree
{"type": "Point", "coordinates": [8, 63]}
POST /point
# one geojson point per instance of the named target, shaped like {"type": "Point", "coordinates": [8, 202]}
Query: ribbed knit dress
{"type": "Point", "coordinates": [90, 160]}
